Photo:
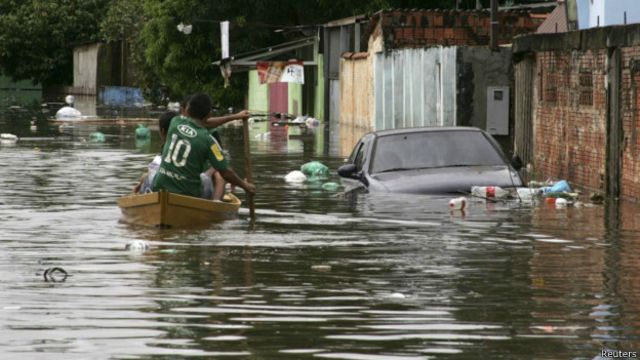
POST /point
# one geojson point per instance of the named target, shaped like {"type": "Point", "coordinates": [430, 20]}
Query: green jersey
{"type": "Point", "coordinates": [188, 149]}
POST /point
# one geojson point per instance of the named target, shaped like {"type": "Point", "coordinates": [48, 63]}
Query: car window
{"type": "Point", "coordinates": [434, 149]}
{"type": "Point", "coordinates": [354, 153]}
{"type": "Point", "coordinates": [359, 160]}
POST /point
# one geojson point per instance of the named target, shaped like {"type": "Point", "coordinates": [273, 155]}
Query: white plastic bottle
{"type": "Point", "coordinates": [459, 203]}
{"type": "Point", "coordinates": [489, 192]}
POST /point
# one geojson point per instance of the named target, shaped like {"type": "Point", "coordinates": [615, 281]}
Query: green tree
{"type": "Point", "coordinates": [37, 37]}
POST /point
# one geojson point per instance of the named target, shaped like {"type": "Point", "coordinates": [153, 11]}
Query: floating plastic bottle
{"type": "Point", "coordinates": [489, 192]}
{"type": "Point", "coordinates": [459, 203]}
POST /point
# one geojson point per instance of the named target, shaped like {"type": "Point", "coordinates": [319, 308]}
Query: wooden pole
{"type": "Point", "coordinates": [247, 166]}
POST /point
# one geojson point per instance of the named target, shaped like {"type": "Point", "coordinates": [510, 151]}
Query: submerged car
{"type": "Point", "coordinates": [432, 160]}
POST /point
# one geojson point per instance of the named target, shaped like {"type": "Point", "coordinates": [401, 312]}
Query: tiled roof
{"type": "Point", "coordinates": [556, 21]}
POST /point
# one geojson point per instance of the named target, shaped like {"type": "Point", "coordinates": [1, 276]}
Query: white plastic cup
{"type": "Point", "coordinates": [459, 203]}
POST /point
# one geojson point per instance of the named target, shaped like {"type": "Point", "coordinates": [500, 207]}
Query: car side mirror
{"type": "Point", "coordinates": [348, 171]}
{"type": "Point", "coordinates": [516, 162]}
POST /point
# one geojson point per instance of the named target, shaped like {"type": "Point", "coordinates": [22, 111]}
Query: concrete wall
{"type": "Point", "coordinates": [478, 68]}
{"type": "Point", "coordinates": [295, 99]}
{"type": "Point", "coordinates": [258, 94]}
{"type": "Point", "coordinates": [85, 68]}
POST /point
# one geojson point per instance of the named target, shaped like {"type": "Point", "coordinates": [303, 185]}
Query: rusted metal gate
{"type": "Point", "coordinates": [524, 93]}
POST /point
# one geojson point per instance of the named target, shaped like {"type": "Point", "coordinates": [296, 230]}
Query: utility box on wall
{"type": "Point", "coordinates": [498, 110]}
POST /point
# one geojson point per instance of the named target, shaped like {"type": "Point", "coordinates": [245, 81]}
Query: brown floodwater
{"type": "Point", "coordinates": [319, 275]}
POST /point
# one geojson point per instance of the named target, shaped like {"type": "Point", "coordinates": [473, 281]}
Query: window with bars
{"type": "Point", "coordinates": [586, 88]}
{"type": "Point", "coordinates": [550, 90]}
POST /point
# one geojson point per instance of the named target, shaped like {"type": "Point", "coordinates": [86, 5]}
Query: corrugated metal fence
{"type": "Point", "coordinates": [401, 101]}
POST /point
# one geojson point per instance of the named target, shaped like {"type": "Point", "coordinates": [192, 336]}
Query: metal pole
{"type": "Point", "coordinates": [494, 25]}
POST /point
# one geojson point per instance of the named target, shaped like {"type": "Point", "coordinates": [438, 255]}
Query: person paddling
{"type": "Point", "coordinates": [189, 149]}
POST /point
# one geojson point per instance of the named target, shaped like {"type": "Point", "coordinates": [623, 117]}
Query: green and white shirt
{"type": "Point", "coordinates": [189, 149]}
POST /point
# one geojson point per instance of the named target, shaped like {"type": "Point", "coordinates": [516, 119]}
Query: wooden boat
{"type": "Point", "coordinates": [165, 209]}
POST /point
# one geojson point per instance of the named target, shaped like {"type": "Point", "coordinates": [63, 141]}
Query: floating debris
{"type": "Point", "coordinates": [97, 137]}
{"type": "Point", "coordinates": [50, 274]}
{"type": "Point", "coordinates": [315, 169]}
{"type": "Point", "coordinates": [396, 296]}
{"type": "Point", "coordinates": [137, 246]}
{"type": "Point", "coordinates": [459, 203]}
{"type": "Point", "coordinates": [8, 139]}
{"type": "Point", "coordinates": [330, 186]}
{"type": "Point", "coordinates": [295, 176]}
{"type": "Point", "coordinates": [323, 268]}
{"type": "Point", "coordinates": [68, 113]}
{"type": "Point", "coordinates": [561, 203]}
{"type": "Point", "coordinates": [142, 132]}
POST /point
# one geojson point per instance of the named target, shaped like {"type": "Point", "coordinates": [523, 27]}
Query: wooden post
{"type": "Point", "coordinates": [247, 166]}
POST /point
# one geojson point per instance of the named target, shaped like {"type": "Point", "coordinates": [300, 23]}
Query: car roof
{"type": "Point", "coordinates": [425, 129]}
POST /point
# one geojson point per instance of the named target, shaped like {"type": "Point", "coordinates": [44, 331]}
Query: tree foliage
{"type": "Point", "coordinates": [37, 36]}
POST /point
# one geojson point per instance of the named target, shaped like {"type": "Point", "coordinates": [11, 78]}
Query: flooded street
{"type": "Point", "coordinates": [362, 277]}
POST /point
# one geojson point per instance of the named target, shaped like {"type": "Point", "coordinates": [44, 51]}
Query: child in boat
{"type": "Point", "coordinates": [144, 184]}
{"type": "Point", "coordinates": [189, 148]}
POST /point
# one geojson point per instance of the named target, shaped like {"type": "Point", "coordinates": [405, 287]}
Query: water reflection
{"type": "Point", "coordinates": [319, 276]}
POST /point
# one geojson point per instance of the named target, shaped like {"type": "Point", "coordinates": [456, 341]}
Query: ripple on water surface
{"type": "Point", "coordinates": [319, 276]}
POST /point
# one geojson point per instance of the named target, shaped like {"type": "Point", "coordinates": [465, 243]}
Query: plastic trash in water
{"type": "Point", "coordinates": [295, 176]}
{"type": "Point", "coordinates": [315, 169]}
{"type": "Point", "coordinates": [558, 187]}
{"type": "Point", "coordinates": [561, 203]}
{"type": "Point", "coordinates": [8, 139]}
{"type": "Point", "coordinates": [142, 132]}
{"type": "Point", "coordinates": [97, 137]}
{"type": "Point", "coordinates": [322, 268]}
{"type": "Point", "coordinates": [493, 192]}
{"type": "Point", "coordinates": [396, 295]}
{"type": "Point", "coordinates": [137, 246]}
{"type": "Point", "coordinates": [330, 186]}
{"type": "Point", "coordinates": [459, 203]}
{"type": "Point", "coordinates": [312, 122]}
{"type": "Point", "coordinates": [527, 194]}
{"type": "Point", "coordinates": [68, 113]}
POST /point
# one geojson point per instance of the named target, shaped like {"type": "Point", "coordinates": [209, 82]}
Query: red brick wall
{"type": "Point", "coordinates": [630, 181]}
{"type": "Point", "coordinates": [418, 28]}
{"type": "Point", "coordinates": [570, 134]}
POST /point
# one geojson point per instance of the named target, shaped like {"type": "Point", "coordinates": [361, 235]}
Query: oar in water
{"type": "Point", "coordinates": [247, 167]}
